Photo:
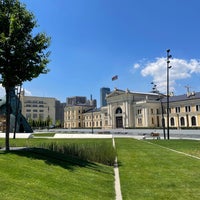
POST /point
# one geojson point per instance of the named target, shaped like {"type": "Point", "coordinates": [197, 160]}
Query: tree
{"type": "Point", "coordinates": [23, 56]}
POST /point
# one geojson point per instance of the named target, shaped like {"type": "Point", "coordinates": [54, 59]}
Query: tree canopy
{"type": "Point", "coordinates": [23, 56]}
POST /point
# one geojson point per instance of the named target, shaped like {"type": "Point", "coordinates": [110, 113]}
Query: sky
{"type": "Point", "coordinates": [94, 40]}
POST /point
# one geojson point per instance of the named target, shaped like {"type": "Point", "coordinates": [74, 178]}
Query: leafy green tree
{"type": "Point", "coordinates": [58, 123]}
{"type": "Point", "coordinates": [23, 55]}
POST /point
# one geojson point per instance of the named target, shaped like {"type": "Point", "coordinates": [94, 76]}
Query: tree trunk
{"type": "Point", "coordinates": [7, 118]}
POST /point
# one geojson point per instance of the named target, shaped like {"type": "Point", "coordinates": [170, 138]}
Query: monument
{"type": "Point", "coordinates": [18, 123]}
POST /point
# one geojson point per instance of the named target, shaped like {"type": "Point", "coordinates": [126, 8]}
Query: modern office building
{"type": "Point", "coordinates": [42, 108]}
{"type": "Point", "coordinates": [103, 92]}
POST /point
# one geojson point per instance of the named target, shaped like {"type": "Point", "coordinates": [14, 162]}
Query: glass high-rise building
{"type": "Point", "coordinates": [103, 92]}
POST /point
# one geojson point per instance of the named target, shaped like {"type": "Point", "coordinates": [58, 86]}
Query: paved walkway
{"type": "Point", "coordinates": [117, 179]}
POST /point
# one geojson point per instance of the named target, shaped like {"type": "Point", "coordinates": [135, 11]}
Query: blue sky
{"type": "Point", "coordinates": [93, 40]}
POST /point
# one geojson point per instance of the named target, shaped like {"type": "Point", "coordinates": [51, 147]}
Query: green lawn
{"type": "Point", "coordinates": [42, 174]}
{"type": "Point", "coordinates": [148, 171]}
{"type": "Point", "coordinates": [187, 146]}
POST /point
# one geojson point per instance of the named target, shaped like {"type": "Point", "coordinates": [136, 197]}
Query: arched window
{"type": "Point", "coordinates": [193, 120]}
{"type": "Point", "coordinates": [118, 111]}
{"type": "Point", "coordinates": [182, 121]}
{"type": "Point", "coordinates": [172, 121]}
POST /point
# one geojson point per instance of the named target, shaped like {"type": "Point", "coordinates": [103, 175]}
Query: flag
{"type": "Point", "coordinates": [114, 78]}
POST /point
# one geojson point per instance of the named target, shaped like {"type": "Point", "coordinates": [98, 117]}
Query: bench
{"type": "Point", "coordinates": [155, 135]}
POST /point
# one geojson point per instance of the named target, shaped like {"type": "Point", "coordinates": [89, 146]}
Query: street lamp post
{"type": "Point", "coordinates": [92, 115]}
{"type": "Point", "coordinates": [161, 96]}
{"type": "Point", "coordinates": [163, 119]}
{"type": "Point", "coordinates": [168, 67]}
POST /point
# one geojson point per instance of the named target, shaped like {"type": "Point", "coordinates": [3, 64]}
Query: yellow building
{"type": "Point", "coordinates": [74, 112]}
{"type": "Point", "coordinates": [184, 110]}
{"type": "Point", "coordinates": [92, 119]}
{"type": "Point", "coordinates": [73, 116]}
{"type": "Point", "coordinates": [126, 109]}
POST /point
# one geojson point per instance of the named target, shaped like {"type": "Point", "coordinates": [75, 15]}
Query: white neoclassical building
{"type": "Point", "coordinates": [126, 109]}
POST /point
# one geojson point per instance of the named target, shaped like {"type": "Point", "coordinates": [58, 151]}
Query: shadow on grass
{"type": "Point", "coordinates": [54, 158]}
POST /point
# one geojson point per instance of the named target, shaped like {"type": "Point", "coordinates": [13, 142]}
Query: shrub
{"type": "Point", "coordinates": [96, 152]}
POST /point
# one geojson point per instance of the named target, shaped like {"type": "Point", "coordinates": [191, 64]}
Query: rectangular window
{"type": "Point", "coordinates": [41, 116]}
{"type": "Point", "coordinates": [197, 107]}
{"type": "Point", "coordinates": [178, 109]}
{"type": "Point", "coordinates": [139, 111]}
{"type": "Point", "coordinates": [187, 108]}
{"type": "Point", "coordinates": [140, 121]}
{"type": "Point", "coordinates": [28, 116]}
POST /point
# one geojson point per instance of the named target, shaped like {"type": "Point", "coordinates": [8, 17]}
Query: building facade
{"type": "Point", "coordinates": [123, 109]}
{"type": "Point", "coordinates": [92, 119]}
{"type": "Point", "coordinates": [42, 108]}
{"type": "Point", "coordinates": [75, 109]}
{"type": "Point", "coordinates": [126, 109]}
{"type": "Point", "coordinates": [185, 110]}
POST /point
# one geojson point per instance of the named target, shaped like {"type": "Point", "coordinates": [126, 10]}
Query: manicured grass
{"type": "Point", "coordinates": [148, 171]}
{"type": "Point", "coordinates": [48, 134]}
{"type": "Point", "coordinates": [42, 174]}
{"type": "Point", "coordinates": [187, 146]}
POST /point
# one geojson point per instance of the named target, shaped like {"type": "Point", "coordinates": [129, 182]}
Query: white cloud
{"type": "Point", "coordinates": [136, 65]}
{"type": "Point", "coordinates": [181, 69]}
{"type": "Point", "coordinates": [27, 92]}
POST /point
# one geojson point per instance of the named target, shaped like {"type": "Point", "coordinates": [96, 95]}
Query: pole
{"type": "Point", "coordinates": [168, 67]}
{"type": "Point", "coordinates": [163, 119]}
{"type": "Point", "coordinates": [92, 114]}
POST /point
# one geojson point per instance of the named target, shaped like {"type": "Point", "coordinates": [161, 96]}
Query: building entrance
{"type": "Point", "coordinates": [119, 122]}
